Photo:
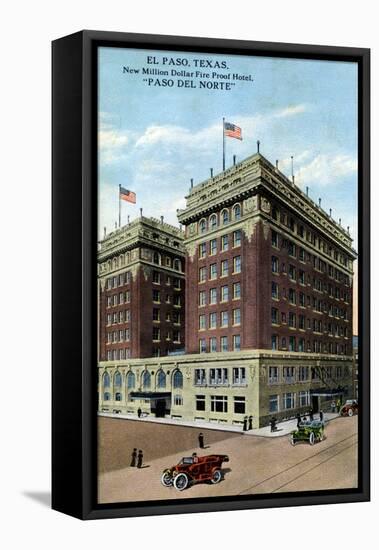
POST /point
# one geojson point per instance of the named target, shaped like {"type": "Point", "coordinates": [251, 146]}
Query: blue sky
{"type": "Point", "coordinates": [153, 139]}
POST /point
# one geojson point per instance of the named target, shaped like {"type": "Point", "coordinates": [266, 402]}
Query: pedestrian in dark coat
{"type": "Point", "coordinates": [139, 412]}
{"type": "Point", "coordinates": [250, 422]}
{"type": "Point", "coordinates": [311, 415]}
{"type": "Point", "coordinates": [273, 424]}
{"type": "Point", "coordinates": [321, 416]}
{"type": "Point", "coordinates": [201, 440]}
{"type": "Point", "coordinates": [298, 419]}
{"type": "Point", "coordinates": [245, 424]}
{"type": "Point", "coordinates": [140, 459]}
{"type": "Point", "coordinates": [134, 458]}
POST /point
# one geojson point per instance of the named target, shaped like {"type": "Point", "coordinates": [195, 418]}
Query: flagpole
{"type": "Point", "coordinates": [119, 205]}
{"type": "Point", "coordinates": [223, 144]}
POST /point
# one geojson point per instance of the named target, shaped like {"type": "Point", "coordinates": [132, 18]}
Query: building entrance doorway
{"type": "Point", "coordinates": [160, 408]}
{"type": "Point", "coordinates": [315, 403]}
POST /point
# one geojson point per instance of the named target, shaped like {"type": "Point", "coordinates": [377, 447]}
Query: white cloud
{"type": "Point", "coordinates": [290, 111]}
{"type": "Point", "coordinates": [327, 169]}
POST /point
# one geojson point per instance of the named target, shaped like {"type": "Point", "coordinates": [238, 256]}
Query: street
{"type": "Point", "coordinates": [257, 464]}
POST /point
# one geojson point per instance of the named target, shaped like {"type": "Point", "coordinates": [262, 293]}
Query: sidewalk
{"type": "Point", "coordinates": [283, 428]}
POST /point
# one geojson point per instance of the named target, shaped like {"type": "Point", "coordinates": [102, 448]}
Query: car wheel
{"type": "Point", "coordinates": [166, 479]}
{"type": "Point", "coordinates": [351, 412]}
{"type": "Point", "coordinates": [181, 482]}
{"type": "Point", "coordinates": [311, 438]}
{"type": "Point", "coordinates": [216, 476]}
{"type": "Point", "coordinates": [292, 440]}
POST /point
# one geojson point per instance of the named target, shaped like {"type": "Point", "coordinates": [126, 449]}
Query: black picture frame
{"type": "Point", "coordinates": [74, 206]}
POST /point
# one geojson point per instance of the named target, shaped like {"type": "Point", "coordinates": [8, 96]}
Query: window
{"type": "Point", "coordinates": [236, 291]}
{"type": "Point", "coordinates": [224, 268]}
{"type": "Point", "coordinates": [236, 316]}
{"type": "Point", "coordinates": [202, 226]}
{"type": "Point", "coordinates": [156, 314]}
{"type": "Point", "coordinates": [176, 336]}
{"type": "Point", "coordinates": [224, 343]}
{"type": "Point", "coordinates": [274, 316]}
{"type": "Point", "coordinates": [202, 345]}
{"type": "Point", "coordinates": [236, 342]}
{"type": "Point", "coordinates": [202, 325]}
{"type": "Point", "coordinates": [202, 250]}
{"type": "Point", "coordinates": [302, 254]}
{"type": "Point", "coordinates": [156, 334]}
{"type": "Point", "coordinates": [239, 405]}
{"type": "Point", "coordinates": [275, 291]}
{"type": "Point", "coordinates": [200, 402]}
{"type": "Point", "coordinates": [212, 320]}
{"type": "Point", "coordinates": [237, 238]}
{"type": "Point", "coordinates": [292, 296]}
{"type": "Point", "coordinates": [225, 217]}
{"type": "Point", "coordinates": [273, 375]}
{"type": "Point", "coordinates": [202, 274]}
{"type": "Point", "coordinates": [107, 396]}
{"type": "Point", "coordinates": [156, 277]}
{"type": "Point", "coordinates": [237, 212]}
{"type": "Point", "coordinates": [292, 249]}
{"type": "Point", "coordinates": [177, 264]}
{"type": "Point", "coordinates": [156, 296]}
{"type": "Point", "coordinates": [130, 380]}
{"type": "Point", "coordinates": [304, 398]}
{"type": "Point", "coordinates": [237, 264]}
{"type": "Point", "coordinates": [161, 379]}
{"type": "Point", "coordinates": [224, 242]}
{"type": "Point", "coordinates": [292, 272]}
{"type": "Point", "coordinates": [202, 298]}
{"type": "Point", "coordinates": [239, 376]}
{"type": "Point", "coordinates": [224, 318]}
{"type": "Point", "coordinates": [146, 379]}
{"type": "Point", "coordinates": [178, 379]}
{"type": "Point", "coordinates": [301, 322]}
{"type": "Point", "coordinates": [213, 344]}
{"type": "Point", "coordinates": [213, 221]}
{"type": "Point", "coordinates": [292, 343]}
{"type": "Point", "coordinates": [288, 400]}
{"type": "Point", "coordinates": [301, 344]}
{"type": "Point", "coordinates": [303, 374]}
{"type": "Point", "coordinates": [274, 264]}
{"type": "Point", "coordinates": [178, 400]}
{"type": "Point", "coordinates": [177, 300]}
{"type": "Point", "coordinates": [224, 293]}
{"type": "Point", "coordinates": [213, 247]}
{"type": "Point", "coordinates": [106, 380]}
{"type": "Point", "coordinates": [291, 320]}
{"type": "Point", "coordinates": [274, 342]}
{"type": "Point", "coordinates": [274, 239]}
{"type": "Point", "coordinates": [157, 258]}
{"type": "Point", "coordinates": [302, 299]}
{"type": "Point", "coordinates": [117, 379]}
{"type": "Point", "coordinates": [274, 403]}
{"type": "Point", "coordinates": [213, 271]}
{"type": "Point", "coordinates": [289, 375]}
{"type": "Point", "coordinates": [118, 396]}
{"type": "Point", "coordinates": [219, 403]}
{"type": "Point", "coordinates": [200, 377]}
{"type": "Point", "coordinates": [213, 296]}
{"type": "Point", "coordinates": [218, 377]}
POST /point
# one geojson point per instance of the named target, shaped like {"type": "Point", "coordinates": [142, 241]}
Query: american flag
{"type": "Point", "coordinates": [233, 131]}
{"type": "Point", "coordinates": [127, 195]}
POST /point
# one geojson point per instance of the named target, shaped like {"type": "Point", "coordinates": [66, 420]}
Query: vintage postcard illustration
{"type": "Point", "coordinates": [227, 252]}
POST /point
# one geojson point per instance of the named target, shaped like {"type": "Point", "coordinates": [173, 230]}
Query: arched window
{"type": "Point", "coordinates": [118, 396]}
{"type": "Point", "coordinates": [146, 379]}
{"type": "Point", "coordinates": [106, 380]}
{"type": "Point", "coordinates": [161, 379]}
{"type": "Point", "coordinates": [213, 221]}
{"type": "Point", "coordinates": [225, 217]}
{"type": "Point", "coordinates": [115, 263]}
{"type": "Point", "coordinates": [237, 212]}
{"type": "Point", "coordinates": [157, 258]}
{"type": "Point", "coordinates": [275, 213]}
{"type": "Point", "coordinates": [131, 380]}
{"type": "Point", "coordinates": [203, 226]}
{"type": "Point", "coordinates": [117, 379]}
{"type": "Point", "coordinates": [178, 379]}
{"type": "Point", "coordinates": [107, 396]}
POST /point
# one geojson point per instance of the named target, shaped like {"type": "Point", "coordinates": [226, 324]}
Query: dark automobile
{"type": "Point", "coordinates": [311, 431]}
{"type": "Point", "coordinates": [349, 408]}
{"type": "Point", "coordinates": [194, 469]}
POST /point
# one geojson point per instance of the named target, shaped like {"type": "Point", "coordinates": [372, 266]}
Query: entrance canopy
{"type": "Point", "coordinates": [150, 395]}
{"type": "Point", "coordinates": [327, 392]}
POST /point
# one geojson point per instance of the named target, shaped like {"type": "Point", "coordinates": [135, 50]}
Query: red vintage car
{"type": "Point", "coordinates": [194, 469]}
{"type": "Point", "coordinates": [349, 408]}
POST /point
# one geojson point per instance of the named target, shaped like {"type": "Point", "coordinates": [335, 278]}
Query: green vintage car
{"type": "Point", "coordinates": [310, 431]}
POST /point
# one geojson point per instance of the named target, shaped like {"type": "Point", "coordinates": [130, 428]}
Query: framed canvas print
{"type": "Point", "coordinates": [210, 274]}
